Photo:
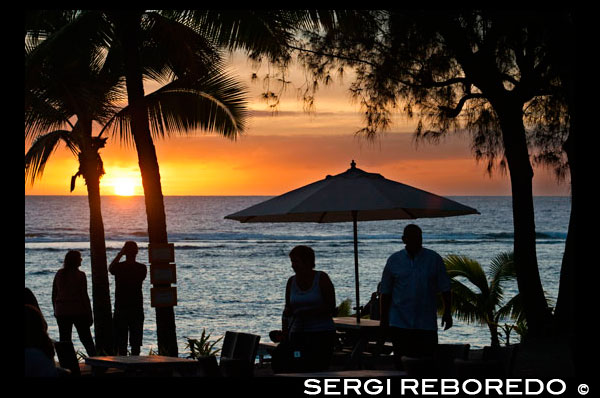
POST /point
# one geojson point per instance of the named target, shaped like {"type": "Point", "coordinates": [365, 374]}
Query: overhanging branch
{"type": "Point", "coordinates": [333, 55]}
{"type": "Point", "coordinates": [454, 112]}
{"type": "Point", "coordinates": [430, 84]}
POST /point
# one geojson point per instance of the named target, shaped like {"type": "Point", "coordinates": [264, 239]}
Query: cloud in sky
{"type": "Point", "coordinates": [270, 165]}
{"type": "Point", "coordinates": [290, 148]}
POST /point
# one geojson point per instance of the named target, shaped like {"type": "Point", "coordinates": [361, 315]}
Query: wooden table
{"type": "Point", "coordinates": [364, 331]}
{"type": "Point", "coordinates": [144, 365]}
{"type": "Point", "coordinates": [350, 323]}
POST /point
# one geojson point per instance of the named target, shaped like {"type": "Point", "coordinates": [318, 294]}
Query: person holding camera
{"type": "Point", "coordinates": [129, 302]}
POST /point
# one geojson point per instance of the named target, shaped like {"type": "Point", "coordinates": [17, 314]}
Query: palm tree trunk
{"type": "Point", "coordinates": [566, 306]}
{"type": "Point", "coordinates": [103, 326]}
{"type": "Point", "coordinates": [482, 70]}
{"type": "Point", "coordinates": [521, 176]}
{"type": "Point", "coordinates": [565, 312]}
{"type": "Point", "coordinates": [494, 333]}
{"type": "Point", "coordinates": [128, 26]}
{"type": "Point", "coordinates": [572, 295]}
{"type": "Point", "coordinates": [569, 304]}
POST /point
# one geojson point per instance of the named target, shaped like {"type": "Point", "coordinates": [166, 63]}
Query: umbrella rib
{"type": "Point", "coordinates": [322, 217]}
{"type": "Point", "coordinates": [307, 198]}
{"type": "Point", "coordinates": [409, 213]}
{"type": "Point", "coordinates": [375, 187]}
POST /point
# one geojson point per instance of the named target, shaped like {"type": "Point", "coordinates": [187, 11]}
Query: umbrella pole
{"type": "Point", "coordinates": [354, 222]}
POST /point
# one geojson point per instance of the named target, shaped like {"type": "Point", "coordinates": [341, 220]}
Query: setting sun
{"type": "Point", "coordinates": [124, 186]}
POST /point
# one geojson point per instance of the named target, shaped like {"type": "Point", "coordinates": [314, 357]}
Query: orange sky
{"type": "Point", "coordinates": [282, 152]}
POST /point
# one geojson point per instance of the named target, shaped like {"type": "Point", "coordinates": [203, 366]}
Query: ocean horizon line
{"type": "Point", "coordinates": [263, 195]}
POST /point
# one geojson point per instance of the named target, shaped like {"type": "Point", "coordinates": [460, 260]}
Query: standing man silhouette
{"type": "Point", "coordinates": [411, 280]}
{"type": "Point", "coordinates": [129, 307]}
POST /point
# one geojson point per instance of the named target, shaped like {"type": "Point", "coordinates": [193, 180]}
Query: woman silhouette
{"type": "Point", "coordinates": [72, 303]}
{"type": "Point", "coordinates": [309, 308]}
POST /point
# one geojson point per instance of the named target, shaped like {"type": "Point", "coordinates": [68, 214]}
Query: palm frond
{"type": "Point", "coordinates": [173, 49]}
{"type": "Point", "coordinates": [214, 104]}
{"type": "Point", "coordinates": [463, 266]}
{"type": "Point", "coordinates": [39, 24]}
{"type": "Point", "coordinates": [67, 80]}
{"type": "Point", "coordinates": [513, 308]}
{"type": "Point", "coordinates": [463, 292]}
{"type": "Point", "coordinates": [38, 154]}
{"type": "Point", "coordinates": [502, 269]}
{"type": "Point", "coordinates": [502, 266]}
{"type": "Point", "coordinates": [258, 32]}
{"type": "Point", "coordinates": [43, 114]}
{"type": "Point", "coordinates": [87, 33]}
{"type": "Point", "coordinates": [465, 302]}
{"type": "Point", "coordinates": [314, 20]}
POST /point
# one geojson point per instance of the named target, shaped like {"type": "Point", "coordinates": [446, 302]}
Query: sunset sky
{"type": "Point", "coordinates": [281, 152]}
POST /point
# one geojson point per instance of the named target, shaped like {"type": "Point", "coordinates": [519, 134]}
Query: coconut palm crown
{"type": "Point", "coordinates": [481, 300]}
{"type": "Point", "coordinates": [67, 89]}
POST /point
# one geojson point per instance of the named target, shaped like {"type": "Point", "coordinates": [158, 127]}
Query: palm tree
{"type": "Point", "coordinates": [72, 84]}
{"type": "Point", "coordinates": [159, 45]}
{"type": "Point", "coordinates": [483, 302]}
{"type": "Point", "coordinates": [85, 85]}
{"type": "Point", "coordinates": [173, 39]}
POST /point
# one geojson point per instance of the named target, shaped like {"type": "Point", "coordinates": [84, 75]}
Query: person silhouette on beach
{"type": "Point", "coordinates": [30, 298]}
{"type": "Point", "coordinates": [39, 349]}
{"type": "Point", "coordinates": [71, 302]}
{"type": "Point", "coordinates": [372, 307]}
{"type": "Point", "coordinates": [308, 314]}
{"type": "Point", "coordinates": [129, 302]}
{"type": "Point", "coordinates": [411, 280]}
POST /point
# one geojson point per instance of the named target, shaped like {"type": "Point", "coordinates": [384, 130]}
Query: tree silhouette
{"type": "Point", "coordinates": [161, 45]}
{"type": "Point", "coordinates": [85, 83]}
{"type": "Point", "coordinates": [178, 41]}
{"type": "Point", "coordinates": [482, 300]}
{"type": "Point", "coordinates": [71, 84]}
{"type": "Point", "coordinates": [492, 74]}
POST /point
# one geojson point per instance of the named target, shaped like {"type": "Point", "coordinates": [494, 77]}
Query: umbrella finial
{"type": "Point", "coordinates": [353, 164]}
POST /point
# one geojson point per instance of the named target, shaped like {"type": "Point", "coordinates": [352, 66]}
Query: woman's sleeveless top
{"type": "Point", "coordinates": [307, 299]}
{"type": "Point", "coordinates": [69, 292]}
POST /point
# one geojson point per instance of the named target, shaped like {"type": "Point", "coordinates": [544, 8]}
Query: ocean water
{"type": "Point", "coordinates": [231, 276]}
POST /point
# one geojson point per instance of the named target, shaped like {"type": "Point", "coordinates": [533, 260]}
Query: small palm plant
{"type": "Point", "coordinates": [344, 309]}
{"type": "Point", "coordinates": [484, 302]}
{"type": "Point", "coordinates": [202, 347]}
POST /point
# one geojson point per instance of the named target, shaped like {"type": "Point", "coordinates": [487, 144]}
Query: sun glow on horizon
{"type": "Point", "coordinates": [124, 186]}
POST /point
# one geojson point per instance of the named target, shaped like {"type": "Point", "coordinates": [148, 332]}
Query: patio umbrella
{"type": "Point", "coordinates": [354, 195]}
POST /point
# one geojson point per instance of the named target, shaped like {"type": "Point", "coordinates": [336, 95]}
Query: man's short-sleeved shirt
{"type": "Point", "coordinates": [414, 285]}
{"type": "Point", "coordinates": [128, 284]}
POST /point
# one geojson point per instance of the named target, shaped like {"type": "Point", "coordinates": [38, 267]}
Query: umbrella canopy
{"type": "Point", "coordinates": [335, 198]}
{"type": "Point", "coordinates": [354, 195]}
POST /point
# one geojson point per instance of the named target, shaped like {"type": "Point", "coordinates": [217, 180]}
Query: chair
{"type": "Point", "coordinates": [208, 367]}
{"type": "Point", "coordinates": [228, 344]}
{"type": "Point", "coordinates": [67, 357]}
{"type": "Point", "coordinates": [238, 354]}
